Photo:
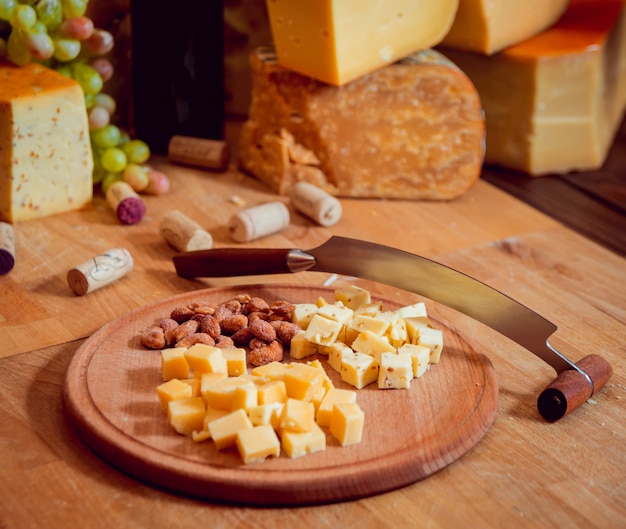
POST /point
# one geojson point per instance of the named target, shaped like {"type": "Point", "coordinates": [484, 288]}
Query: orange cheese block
{"type": "Point", "coordinates": [554, 102]}
{"type": "Point", "coordinates": [411, 130]}
{"type": "Point", "coordinates": [46, 161]}
{"type": "Point", "coordinates": [336, 41]}
{"type": "Point", "coordinates": [486, 26]}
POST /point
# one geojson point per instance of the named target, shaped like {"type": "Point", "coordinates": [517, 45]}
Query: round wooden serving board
{"type": "Point", "coordinates": [110, 400]}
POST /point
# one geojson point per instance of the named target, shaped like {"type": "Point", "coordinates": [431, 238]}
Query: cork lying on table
{"type": "Point", "coordinates": [411, 130]}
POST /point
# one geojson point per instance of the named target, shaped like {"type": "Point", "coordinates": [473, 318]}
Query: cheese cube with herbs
{"type": "Point", "coordinates": [395, 371]}
{"type": "Point", "coordinates": [46, 162]}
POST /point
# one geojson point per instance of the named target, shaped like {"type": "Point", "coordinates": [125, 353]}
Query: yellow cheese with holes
{"type": "Point", "coordinates": [235, 361]}
{"type": "Point", "coordinates": [553, 103]}
{"type": "Point", "coordinates": [337, 41]}
{"type": "Point", "coordinates": [297, 416]}
{"type": "Point", "coordinates": [488, 26]}
{"type": "Point", "coordinates": [256, 444]}
{"type": "Point", "coordinates": [46, 162]}
{"type": "Point", "coordinates": [266, 414]}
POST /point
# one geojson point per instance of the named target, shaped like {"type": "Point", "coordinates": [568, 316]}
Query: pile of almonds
{"type": "Point", "coordinates": [243, 321]}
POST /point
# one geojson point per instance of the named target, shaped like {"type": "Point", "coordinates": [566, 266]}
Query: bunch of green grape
{"type": "Point", "coordinates": [58, 34]}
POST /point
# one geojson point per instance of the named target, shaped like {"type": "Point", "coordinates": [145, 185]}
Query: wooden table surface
{"type": "Point", "coordinates": [525, 472]}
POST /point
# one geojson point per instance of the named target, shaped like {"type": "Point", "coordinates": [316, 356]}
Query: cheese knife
{"type": "Point", "coordinates": [575, 382]}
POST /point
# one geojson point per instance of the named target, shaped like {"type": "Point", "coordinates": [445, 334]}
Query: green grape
{"type": "Point", "coordinates": [137, 151]}
{"type": "Point", "coordinates": [40, 45]}
{"type": "Point", "coordinates": [88, 79]}
{"type": "Point", "coordinates": [49, 12]}
{"type": "Point", "coordinates": [110, 178]}
{"type": "Point", "coordinates": [6, 9]}
{"type": "Point", "coordinates": [23, 17]}
{"type": "Point", "coordinates": [17, 50]}
{"type": "Point", "coordinates": [136, 176]}
{"type": "Point", "coordinates": [89, 100]}
{"type": "Point", "coordinates": [108, 136]}
{"type": "Point", "coordinates": [64, 69]}
{"type": "Point", "coordinates": [74, 8]}
{"type": "Point", "coordinates": [66, 50]}
{"type": "Point", "coordinates": [114, 160]}
{"type": "Point", "coordinates": [105, 101]}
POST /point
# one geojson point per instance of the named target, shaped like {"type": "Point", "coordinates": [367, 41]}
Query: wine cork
{"type": "Point", "coordinates": [127, 204]}
{"type": "Point", "coordinates": [211, 154]}
{"type": "Point", "coordinates": [100, 271]}
{"type": "Point", "coordinates": [7, 248]}
{"type": "Point", "coordinates": [183, 233]}
{"type": "Point", "coordinates": [259, 221]}
{"type": "Point", "coordinates": [316, 203]}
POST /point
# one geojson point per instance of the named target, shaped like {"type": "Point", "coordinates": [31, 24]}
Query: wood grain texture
{"type": "Point", "coordinates": [110, 398]}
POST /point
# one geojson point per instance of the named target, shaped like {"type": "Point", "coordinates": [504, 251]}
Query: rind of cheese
{"type": "Point", "coordinates": [553, 103]}
{"type": "Point", "coordinates": [412, 130]}
{"type": "Point", "coordinates": [46, 162]}
{"type": "Point", "coordinates": [337, 41]}
{"type": "Point", "coordinates": [486, 26]}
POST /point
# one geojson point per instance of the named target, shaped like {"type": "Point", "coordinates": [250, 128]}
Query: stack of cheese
{"type": "Point", "coordinates": [46, 161]}
{"type": "Point", "coordinates": [551, 75]}
{"type": "Point", "coordinates": [354, 100]}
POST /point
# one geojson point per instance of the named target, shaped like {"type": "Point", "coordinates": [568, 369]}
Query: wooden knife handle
{"type": "Point", "coordinates": [571, 389]}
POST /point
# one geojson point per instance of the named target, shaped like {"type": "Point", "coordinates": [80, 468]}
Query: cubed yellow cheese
{"type": "Point", "coordinates": [174, 364]}
{"type": "Point", "coordinates": [395, 371]}
{"type": "Point", "coordinates": [245, 397]}
{"type": "Point", "coordinates": [300, 347]}
{"type": "Point", "coordinates": [224, 430]}
{"type": "Point", "coordinates": [186, 415]}
{"type": "Point", "coordinates": [271, 371]}
{"type": "Point", "coordinates": [297, 444]}
{"type": "Point", "coordinates": [353, 296]}
{"type": "Point", "coordinates": [346, 423]}
{"type": "Point", "coordinates": [256, 444]}
{"type": "Point", "coordinates": [369, 309]}
{"type": "Point", "coordinates": [194, 383]}
{"type": "Point", "coordinates": [323, 331]}
{"type": "Point", "coordinates": [297, 416]}
{"type": "Point", "coordinates": [303, 381]}
{"type": "Point", "coordinates": [303, 313]}
{"type": "Point", "coordinates": [397, 333]}
{"type": "Point", "coordinates": [208, 380]}
{"type": "Point", "coordinates": [222, 394]}
{"type": "Point", "coordinates": [359, 370]}
{"type": "Point", "coordinates": [413, 326]}
{"type": "Point", "coordinates": [235, 360]}
{"type": "Point", "coordinates": [371, 344]}
{"type": "Point", "coordinates": [433, 339]}
{"type": "Point", "coordinates": [173, 389]}
{"type": "Point", "coordinates": [266, 414]}
{"type": "Point", "coordinates": [332, 397]}
{"type": "Point", "coordinates": [46, 163]}
{"type": "Point", "coordinates": [420, 357]}
{"type": "Point", "coordinates": [211, 415]}
{"type": "Point", "coordinates": [337, 41]}
{"type": "Point", "coordinates": [203, 358]}
{"type": "Point", "coordinates": [272, 391]}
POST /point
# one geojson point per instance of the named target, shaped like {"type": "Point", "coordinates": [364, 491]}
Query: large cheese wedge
{"type": "Point", "coordinates": [337, 41]}
{"type": "Point", "coordinates": [45, 152]}
{"type": "Point", "coordinates": [411, 130]}
{"type": "Point", "coordinates": [554, 102]}
{"type": "Point", "coordinates": [486, 26]}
